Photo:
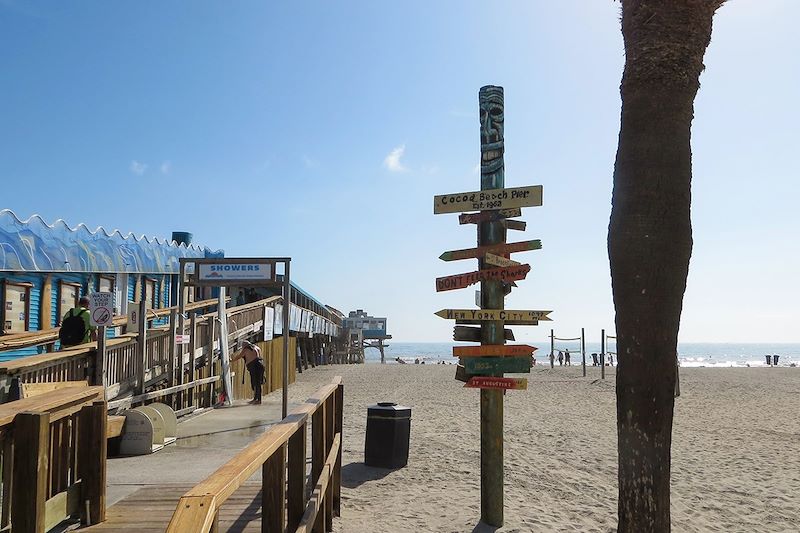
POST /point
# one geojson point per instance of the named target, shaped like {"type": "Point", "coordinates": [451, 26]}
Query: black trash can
{"type": "Point", "coordinates": [388, 434]}
{"type": "Point", "coordinates": [775, 359]}
{"type": "Point", "coordinates": [769, 360]}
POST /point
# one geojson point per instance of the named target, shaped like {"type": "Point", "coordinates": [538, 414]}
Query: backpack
{"type": "Point", "coordinates": [73, 329]}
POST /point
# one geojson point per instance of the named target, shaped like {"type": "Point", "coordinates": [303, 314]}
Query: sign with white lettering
{"type": "Point", "coordinates": [230, 272]}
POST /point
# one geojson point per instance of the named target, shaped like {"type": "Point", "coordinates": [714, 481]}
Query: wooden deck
{"type": "Point", "coordinates": [149, 510]}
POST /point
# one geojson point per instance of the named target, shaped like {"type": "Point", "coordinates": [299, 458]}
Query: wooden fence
{"type": "Point", "coordinates": [272, 352]}
{"type": "Point", "coordinates": [281, 455]}
{"type": "Point", "coordinates": [53, 452]}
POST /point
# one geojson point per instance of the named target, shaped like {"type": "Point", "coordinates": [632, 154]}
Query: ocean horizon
{"type": "Point", "coordinates": [690, 354]}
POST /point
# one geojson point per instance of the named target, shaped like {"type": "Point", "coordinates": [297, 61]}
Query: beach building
{"type": "Point", "coordinates": [365, 331]}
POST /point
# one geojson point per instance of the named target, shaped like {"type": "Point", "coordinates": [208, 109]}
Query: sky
{"type": "Point", "coordinates": [322, 131]}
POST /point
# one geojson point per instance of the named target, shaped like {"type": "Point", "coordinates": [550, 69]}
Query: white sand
{"type": "Point", "coordinates": [736, 451]}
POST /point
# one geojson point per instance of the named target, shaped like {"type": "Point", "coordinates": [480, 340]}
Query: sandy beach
{"type": "Point", "coordinates": [736, 451]}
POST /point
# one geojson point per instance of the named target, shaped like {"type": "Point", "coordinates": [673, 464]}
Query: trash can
{"type": "Point", "coordinates": [775, 359]}
{"type": "Point", "coordinates": [769, 360]}
{"type": "Point", "coordinates": [388, 434]}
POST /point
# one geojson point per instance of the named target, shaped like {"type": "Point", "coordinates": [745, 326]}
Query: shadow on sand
{"type": "Point", "coordinates": [356, 474]}
{"type": "Point", "coordinates": [484, 528]}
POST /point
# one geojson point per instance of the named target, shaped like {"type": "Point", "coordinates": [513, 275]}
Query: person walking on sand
{"type": "Point", "coordinates": [255, 365]}
{"type": "Point", "coordinates": [560, 358]}
{"type": "Point", "coordinates": [566, 358]}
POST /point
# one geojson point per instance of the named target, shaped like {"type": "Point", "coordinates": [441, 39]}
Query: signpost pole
{"type": "Point", "coordinates": [100, 360]}
{"type": "Point", "coordinates": [287, 302]}
{"type": "Point", "coordinates": [490, 100]}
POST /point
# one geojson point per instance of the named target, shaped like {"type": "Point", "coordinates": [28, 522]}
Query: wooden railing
{"type": "Point", "coordinates": [53, 449]}
{"type": "Point", "coordinates": [280, 453]}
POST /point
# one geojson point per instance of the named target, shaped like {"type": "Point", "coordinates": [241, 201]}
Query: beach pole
{"type": "Point", "coordinates": [603, 354]}
{"type": "Point", "coordinates": [552, 348]}
{"type": "Point", "coordinates": [491, 103]}
{"type": "Point", "coordinates": [583, 351]}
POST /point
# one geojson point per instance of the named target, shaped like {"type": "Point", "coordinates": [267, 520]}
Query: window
{"type": "Point", "coordinates": [150, 293]}
{"type": "Point", "coordinates": [380, 325]}
{"type": "Point", "coordinates": [16, 307]}
{"type": "Point", "coordinates": [67, 297]}
{"type": "Point", "coordinates": [105, 284]}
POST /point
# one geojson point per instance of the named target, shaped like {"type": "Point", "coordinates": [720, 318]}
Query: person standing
{"type": "Point", "coordinates": [240, 298]}
{"type": "Point", "coordinates": [560, 358]}
{"type": "Point", "coordinates": [566, 358]}
{"type": "Point", "coordinates": [76, 325]}
{"type": "Point", "coordinates": [255, 365]}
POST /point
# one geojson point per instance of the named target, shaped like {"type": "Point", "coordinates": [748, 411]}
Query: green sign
{"type": "Point", "coordinates": [493, 365]}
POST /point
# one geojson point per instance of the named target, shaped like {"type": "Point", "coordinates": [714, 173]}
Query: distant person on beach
{"type": "Point", "coordinates": [594, 359]}
{"type": "Point", "coordinates": [255, 365]}
{"type": "Point", "coordinates": [552, 359]}
{"type": "Point", "coordinates": [240, 298]}
{"type": "Point", "coordinates": [400, 361]}
{"type": "Point", "coordinates": [566, 358]}
{"type": "Point", "coordinates": [560, 358]}
{"type": "Point", "coordinates": [416, 361]}
{"type": "Point", "coordinates": [610, 359]}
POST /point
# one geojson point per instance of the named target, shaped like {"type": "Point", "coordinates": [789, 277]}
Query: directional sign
{"type": "Point", "coordinates": [480, 382]}
{"type": "Point", "coordinates": [489, 216]}
{"type": "Point", "coordinates": [480, 251]}
{"type": "Point", "coordinates": [493, 314]}
{"type": "Point", "coordinates": [518, 225]}
{"type": "Point", "coordinates": [499, 260]}
{"type": "Point", "coordinates": [497, 350]}
{"type": "Point", "coordinates": [489, 199]}
{"type": "Point", "coordinates": [494, 365]}
{"type": "Point", "coordinates": [460, 281]}
{"type": "Point", "coordinates": [468, 334]}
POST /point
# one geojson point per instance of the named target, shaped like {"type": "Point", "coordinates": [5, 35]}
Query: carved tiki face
{"type": "Point", "coordinates": [490, 100]}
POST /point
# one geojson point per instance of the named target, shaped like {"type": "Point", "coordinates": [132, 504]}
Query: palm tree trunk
{"type": "Point", "coordinates": [650, 240]}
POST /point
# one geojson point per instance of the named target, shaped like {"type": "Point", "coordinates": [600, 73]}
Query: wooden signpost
{"type": "Point", "coordinates": [469, 334]}
{"type": "Point", "coordinates": [497, 365]}
{"type": "Point", "coordinates": [498, 350]}
{"type": "Point", "coordinates": [486, 382]}
{"type": "Point", "coordinates": [488, 199]}
{"type": "Point", "coordinates": [469, 253]}
{"type": "Point", "coordinates": [462, 281]}
{"type": "Point", "coordinates": [499, 260]}
{"type": "Point", "coordinates": [486, 363]}
{"type": "Point", "coordinates": [481, 315]}
{"type": "Point", "coordinates": [489, 216]}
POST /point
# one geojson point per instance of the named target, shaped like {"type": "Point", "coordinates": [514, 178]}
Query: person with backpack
{"type": "Point", "coordinates": [76, 327]}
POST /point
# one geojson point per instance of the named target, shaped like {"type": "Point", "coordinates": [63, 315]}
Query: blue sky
{"type": "Point", "coordinates": [322, 130]}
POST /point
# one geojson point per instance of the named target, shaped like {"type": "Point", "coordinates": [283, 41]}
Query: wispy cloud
{"type": "Point", "coordinates": [165, 167]}
{"type": "Point", "coordinates": [138, 168]}
{"type": "Point", "coordinates": [392, 161]}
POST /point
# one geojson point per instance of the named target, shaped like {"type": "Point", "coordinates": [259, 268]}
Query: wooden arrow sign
{"type": "Point", "coordinates": [481, 315]}
{"type": "Point", "coordinates": [485, 382]}
{"type": "Point", "coordinates": [494, 350]}
{"type": "Point", "coordinates": [489, 216]}
{"type": "Point", "coordinates": [498, 249]}
{"type": "Point", "coordinates": [496, 365]}
{"type": "Point", "coordinates": [460, 281]}
{"type": "Point", "coordinates": [468, 334]}
{"type": "Point", "coordinates": [530, 196]}
{"type": "Point", "coordinates": [518, 225]}
{"type": "Point", "coordinates": [499, 260]}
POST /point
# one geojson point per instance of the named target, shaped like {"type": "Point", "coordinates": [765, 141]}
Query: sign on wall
{"type": "Point", "coordinates": [232, 272]}
{"type": "Point", "coordinates": [101, 308]}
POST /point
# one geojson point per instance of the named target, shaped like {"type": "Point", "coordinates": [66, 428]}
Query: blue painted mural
{"type": "Point", "coordinates": [32, 245]}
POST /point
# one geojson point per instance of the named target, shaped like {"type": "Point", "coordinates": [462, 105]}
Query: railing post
{"type": "Point", "coordinates": [192, 358]}
{"type": "Point", "coordinates": [141, 346]}
{"type": "Point", "coordinates": [296, 492]}
{"type": "Point", "coordinates": [337, 470]}
{"type": "Point", "coordinates": [273, 497]}
{"type": "Point", "coordinates": [210, 359]}
{"type": "Point", "coordinates": [92, 461]}
{"type": "Point", "coordinates": [330, 420]}
{"type": "Point", "coordinates": [318, 457]}
{"type": "Point", "coordinates": [32, 439]}
{"type": "Point", "coordinates": [99, 377]}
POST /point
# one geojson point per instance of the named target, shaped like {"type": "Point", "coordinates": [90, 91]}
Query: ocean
{"type": "Point", "coordinates": [722, 355]}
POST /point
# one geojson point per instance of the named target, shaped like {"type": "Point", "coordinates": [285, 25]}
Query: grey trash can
{"type": "Point", "coordinates": [388, 435]}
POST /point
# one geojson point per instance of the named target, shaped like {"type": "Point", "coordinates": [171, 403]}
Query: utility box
{"type": "Point", "coordinates": [388, 435]}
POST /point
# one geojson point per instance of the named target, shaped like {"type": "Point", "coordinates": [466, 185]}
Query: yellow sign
{"type": "Point", "coordinates": [489, 199]}
{"type": "Point", "coordinates": [494, 314]}
{"type": "Point", "coordinates": [498, 260]}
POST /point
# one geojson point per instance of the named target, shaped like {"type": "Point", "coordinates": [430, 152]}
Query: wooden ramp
{"type": "Point", "coordinates": [149, 510]}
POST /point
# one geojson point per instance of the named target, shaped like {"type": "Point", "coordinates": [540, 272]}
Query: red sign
{"type": "Point", "coordinates": [501, 350]}
{"type": "Point", "coordinates": [460, 281]}
{"type": "Point", "coordinates": [486, 382]}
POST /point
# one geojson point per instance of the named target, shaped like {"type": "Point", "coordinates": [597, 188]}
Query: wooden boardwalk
{"type": "Point", "coordinates": [149, 510]}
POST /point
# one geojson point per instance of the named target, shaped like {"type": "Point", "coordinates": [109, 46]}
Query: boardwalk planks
{"type": "Point", "coordinates": [461, 281]}
{"type": "Point", "coordinates": [493, 314]}
{"type": "Point", "coordinates": [485, 382]}
{"type": "Point", "coordinates": [530, 196]}
{"type": "Point", "coordinates": [499, 249]}
{"type": "Point", "coordinates": [497, 350]}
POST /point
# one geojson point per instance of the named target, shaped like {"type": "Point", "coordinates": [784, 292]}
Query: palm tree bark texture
{"type": "Point", "coordinates": [650, 240]}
